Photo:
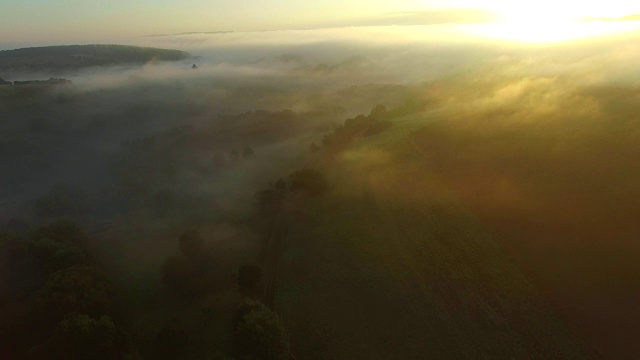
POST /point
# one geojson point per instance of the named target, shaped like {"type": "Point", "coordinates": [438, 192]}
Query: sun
{"type": "Point", "coordinates": [546, 21]}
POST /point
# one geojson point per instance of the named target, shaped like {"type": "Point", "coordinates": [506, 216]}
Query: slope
{"type": "Point", "coordinates": [391, 265]}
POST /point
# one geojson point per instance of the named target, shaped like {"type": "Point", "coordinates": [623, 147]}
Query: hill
{"type": "Point", "coordinates": [71, 57]}
{"type": "Point", "coordinates": [391, 263]}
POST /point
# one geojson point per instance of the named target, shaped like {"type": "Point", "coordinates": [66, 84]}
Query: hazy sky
{"type": "Point", "coordinates": [29, 21]}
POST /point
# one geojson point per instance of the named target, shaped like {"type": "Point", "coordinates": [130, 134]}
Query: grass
{"type": "Point", "coordinates": [561, 194]}
{"type": "Point", "coordinates": [391, 264]}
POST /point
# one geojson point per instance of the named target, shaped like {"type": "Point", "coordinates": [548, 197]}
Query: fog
{"type": "Point", "coordinates": [139, 154]}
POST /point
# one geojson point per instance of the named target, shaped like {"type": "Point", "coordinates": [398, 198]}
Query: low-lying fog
{"type": "Point", "coordinates": [139, 154]}
{"type": "Point", "coordinates": [75, 135]}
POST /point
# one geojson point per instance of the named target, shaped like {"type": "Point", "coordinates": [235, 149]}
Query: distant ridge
{"type": "Point", "coordinates": [71, 57]}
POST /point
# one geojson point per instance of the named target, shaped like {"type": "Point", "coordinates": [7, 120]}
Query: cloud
{"type": "Point", "coordinates": [434, 17]}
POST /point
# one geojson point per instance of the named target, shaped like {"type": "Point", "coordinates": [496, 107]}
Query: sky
{"type": "Point", "coordinates": [65, 21]}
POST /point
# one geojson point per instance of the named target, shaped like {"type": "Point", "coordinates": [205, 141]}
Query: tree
{"type": "Point", "coordinates": [310, 181]}
{"type": "Point", "coordinates": [280, 185]}
{"type": "Point", "coordinates": [171, 341]}
{"type": "Point", "coordinates": [14, 261]}
{"type": "Point", "coordinates": [183, 277]}
{"type": "Point", "coordinates": [270, 199]}
{"type": "Point", "coordinates": [314, 148]}
{"type": "Point", "coordinates": [193, 271]}
{"type": "Point", "coordinates": [163, 201]}
{"type": "Point", "coordinates": [63, 231]}
{"type": "Point", "coordinates": [247, 152]}
{"type": "Point", "coordinates": [249, 279]}
{"type": "Point", "coordinates": [62, 200]}
{"type": "Point", "coordinates": [76, 290]}
{"type": "Point", "coordinates": [356, 123]}
{"type": "Point", "coordinates": [52, 255]}
{"type": "Point", "coordinates": [58, 246]}
{"type": "Point", "coordinates": [234, 156]}
{"type": "Point", "coordinates": [17, 226]}
{"type": "Point", "coordinates": [191, 244]}
{"type": "Point", "coordinates": [259, 333]}
{"type": "Point", "coordinates": [379, 112]}
{"type": "Point", "coordinates": [80, 337]}
{"type": "Point", "coordinates": [176, 271]}
{"type": "Point", "coordinates": [84, 337]}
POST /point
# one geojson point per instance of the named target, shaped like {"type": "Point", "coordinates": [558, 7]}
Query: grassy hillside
{"type": "Point", "coordinates": [392, 264]}
{"type": "Point", "coordinates": [72, 57]}
{"type": "Point", "coordinates": [562, 196]}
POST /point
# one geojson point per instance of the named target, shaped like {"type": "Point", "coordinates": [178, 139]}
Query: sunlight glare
{"type": "Point", "coordinates": [555, 21]}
